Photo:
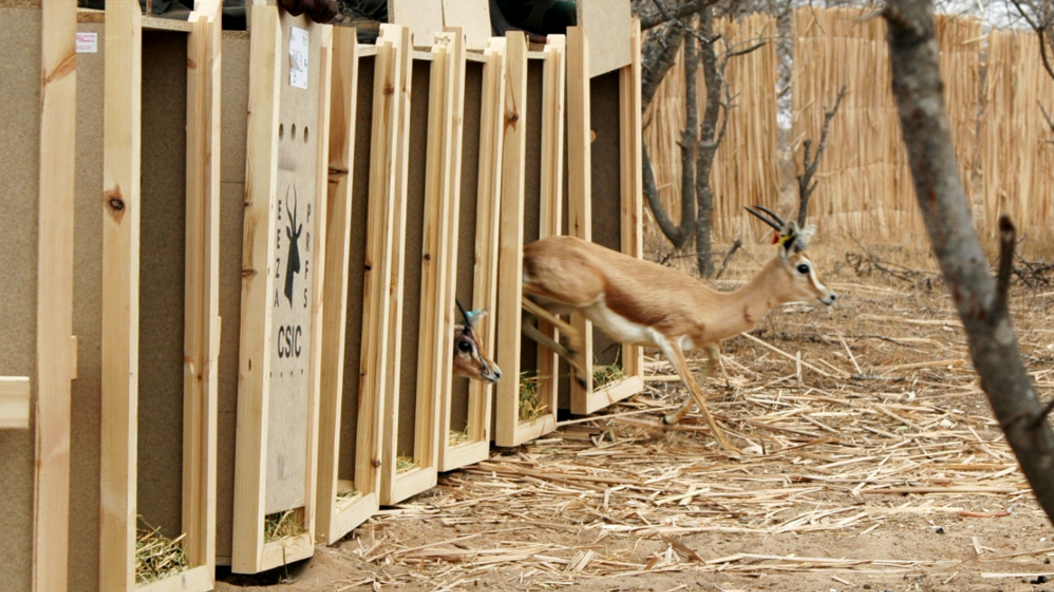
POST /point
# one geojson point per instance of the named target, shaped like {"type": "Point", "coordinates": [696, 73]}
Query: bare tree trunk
{"type": "Point", "coordinates": [980, 300]}
{"type": "Point", "coordinates": [657, 57]}
{"type": "Point", "coordinates": [689, 136]}
{"type": "Point", "coordinates": [709, 140]}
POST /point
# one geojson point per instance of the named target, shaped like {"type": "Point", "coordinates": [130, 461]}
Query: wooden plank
{"type": "Point", "coordinates": [510, 255]}
{"type": "Point", "coordinates": [446, 86]}
{"type": "Point", "coordinates": [335, 292]}
{"type": "Point", "coordinates": [258, 283]}
{"type": "Point", "coordinates": [56, 352]}
{"type": "Point", "coordinates": [450, 187]}
{"type": "Point", "coordinates": [424, 18]}
{"type": "Point", "coordinates": [631, 140]}
{"type": "Point", "coordinates": [579, 187]}
{"type": "Point", "coordinates": [318, 246]}
{"type": "Point", "coordinates": [195, 579]}
{"type": "Point", "coordinates": [14, 402]}
{"type": "Point", "coordinates": [120, 294]}
{"type": "Point", "coordinates": [378, 256]}
{"type": "Point", "coordinates": [201, 314]}
{"type": "Point", "coordinates": [551, 199]}
{"type": "Point", "coordinates": [607, 25]}
{"type": "Point", "coordinates": [472, 17]}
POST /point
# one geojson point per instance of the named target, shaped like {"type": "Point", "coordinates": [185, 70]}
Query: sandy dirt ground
{"type": "Point", "coordinates": [871, 462]}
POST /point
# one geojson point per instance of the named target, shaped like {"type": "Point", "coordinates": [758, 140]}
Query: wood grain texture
{"type": "Point", "coordinates": [579, 186]}
{"type": "Point", "coordinates": [201, 314]}
{"type": "Point", "coordinates": [120, 293]}
{"type": "Point", "coordinates": [56, 354]}
{"type": "Point", "coordinates": [257, 285]}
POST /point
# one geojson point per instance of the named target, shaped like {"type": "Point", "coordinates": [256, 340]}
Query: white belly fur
{"type": "Point", "coordinates": [618, 327]}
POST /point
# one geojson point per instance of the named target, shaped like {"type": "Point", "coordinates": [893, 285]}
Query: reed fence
{"type": "Point", "coordinates": [994, 86]}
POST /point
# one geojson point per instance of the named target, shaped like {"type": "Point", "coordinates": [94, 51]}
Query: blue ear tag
{"type": "Point", "coordinates": [472, 314]}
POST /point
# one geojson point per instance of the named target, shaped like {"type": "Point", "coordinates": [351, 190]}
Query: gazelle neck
{"type": "Point", "coordinates": [739, 310]}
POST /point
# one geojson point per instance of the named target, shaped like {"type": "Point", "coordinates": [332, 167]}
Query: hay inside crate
{"type": "Point", "coordinates": [530, 407]}
{"type": "Point", "coordinates": [458, 437]}
{"type": "Point", "coordinates": [156, 556]}
{"type": "Point", "coordinates": [282, 525]}
{"type": "Point", "coordinates": [404, 463]}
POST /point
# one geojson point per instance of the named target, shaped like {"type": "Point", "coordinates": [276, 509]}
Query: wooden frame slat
{"type": "Point", "coordinates": [56, 351]}
{"type": "Point", "coordinates": [202, 321]}
{"type": "Point", "coordinates": [631, 141]}
{"type": "Point", "coordinates": [579, 188]}
{"type": "Point", "coordinates": [120, 294]}
{"type": "Point", "coordinates": [258, 284]}
{"type": "Point", "coordinates": [508, 429]}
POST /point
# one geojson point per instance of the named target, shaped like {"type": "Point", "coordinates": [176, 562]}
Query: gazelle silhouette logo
{"type": "Point", "coordinates": [292, 231]}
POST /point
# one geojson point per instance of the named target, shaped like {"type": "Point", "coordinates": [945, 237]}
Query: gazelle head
{"type": "Point", "coordinates": [469, 359]}
{"type": "Point", "coordinates": [799, 280]}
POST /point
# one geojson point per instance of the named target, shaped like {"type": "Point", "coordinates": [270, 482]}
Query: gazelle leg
{"type": "Point", "coordinates": [711, 365]}
{"type": "Point", "coordinates": [542, 339]}
{"type": "Point", "coordinates": [561, 325]}
{"type": "Point", "coordinates": [675, 355]}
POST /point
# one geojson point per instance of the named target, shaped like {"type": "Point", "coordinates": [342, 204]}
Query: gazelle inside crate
{"type": "Point", "coordinates": [470, 360]}
{"type": "Point", "coordinates": [640, 302]}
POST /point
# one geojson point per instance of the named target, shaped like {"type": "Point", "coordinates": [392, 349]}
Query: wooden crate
{"type": "Point", "coordinates": [531, 209]}
{"type": "Point", "coordinates": [158, 388]}
{"type": "Point", "coordinates": [466, 407]}
{"type": "Point", "coordinates": [276, 449]}
{"type": "Point", "coordinates": [344, 503]}
{"type": "Point", "coordinates": [604, 199]}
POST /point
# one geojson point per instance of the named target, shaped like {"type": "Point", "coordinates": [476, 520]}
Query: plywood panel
{"type": "Point", "coordinates": [85, 433]}
{"type": "Point", "coordinates": [232, 214]}
{"type": "Point", "coordinates": [351, 418]}
{"type": "Point", "coordinates": [412, 261]}
{"type": "Point", "coordinates": [159, 454]}
{"type": "Point", "coordinates": [472, 17]}
{"type": "Point", "coordinates": [424, 18]}
{"type": "Point", "coordinates": [20, 94]}
{"type": "Point", "coordinates": [608, 27]}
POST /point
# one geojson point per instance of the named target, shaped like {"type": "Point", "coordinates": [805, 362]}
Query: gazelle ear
{"type": "Point", "coordinates": [804, 236]}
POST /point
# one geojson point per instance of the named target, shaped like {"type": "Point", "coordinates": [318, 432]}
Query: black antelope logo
{"type": "Point", "coordinates": [292, 265]}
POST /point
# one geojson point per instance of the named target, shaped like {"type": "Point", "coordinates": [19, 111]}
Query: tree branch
{"type": "Point", "coordinates": [688, 9]}
{"type": "Point", "coordinates": [918, 88]}
{"type": "Point", "coordinates": [805, 181]}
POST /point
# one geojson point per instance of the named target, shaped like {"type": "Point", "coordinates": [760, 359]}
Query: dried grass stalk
{"type": "Point", "coordinates": [530, 406]}
{"type": "Point", "coordinates": [156, 556]}
{"type": "Point", "coordinates": [404, 463]}
{"type": "Point", "coordinates": [458, 437]}
{"type": "Point", "coordinates": [282, 525]}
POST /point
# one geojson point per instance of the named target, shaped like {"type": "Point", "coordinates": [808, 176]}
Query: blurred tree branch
{"type": "Point", "coordinates": [981, 300]}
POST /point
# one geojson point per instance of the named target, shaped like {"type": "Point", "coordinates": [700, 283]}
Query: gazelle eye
{"type": "Point", "coordinates": [803, 269]}
{"type": "Point", "coordinates": [464, 346]}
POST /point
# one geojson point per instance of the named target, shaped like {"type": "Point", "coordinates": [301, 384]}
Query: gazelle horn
{"type": "Point", "coordinates": [464, 313]}
{"type": "Point", "coordinates": [765, 219]}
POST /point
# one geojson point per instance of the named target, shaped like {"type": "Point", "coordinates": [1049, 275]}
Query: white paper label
{"type": "Point", "coordinates": [298, 47]}
{"type": "Point", "coordinates": [87, 42]}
